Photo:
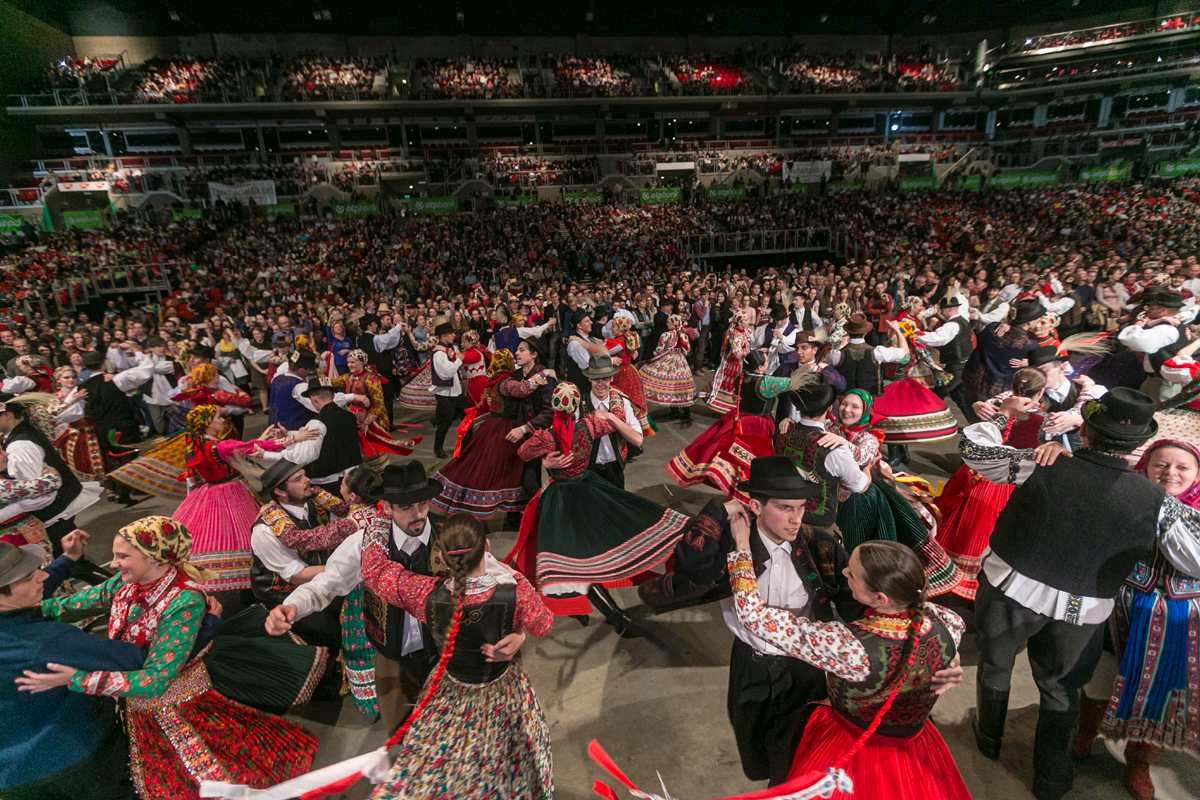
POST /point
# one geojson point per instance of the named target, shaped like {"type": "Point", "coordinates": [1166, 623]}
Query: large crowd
{"type": "Point", "coordinates": [1106, 34]}
{"type": "Point", "coordinates": [541, 338]}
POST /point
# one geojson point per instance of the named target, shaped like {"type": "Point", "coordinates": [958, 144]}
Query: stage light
{"type": "Point", "coordinates": [824, 18]}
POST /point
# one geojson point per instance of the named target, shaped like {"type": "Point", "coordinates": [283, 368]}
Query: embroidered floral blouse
{"type": "Point", "coordinates": [167, 620]}
{"type": "Point", "coordinates": [831, 646]}
{"type": "Point", "coordinates": [366, 383]}
{"type": "Point", "coordinates": [396, 586]}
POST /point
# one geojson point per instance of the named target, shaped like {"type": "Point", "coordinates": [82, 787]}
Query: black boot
{"type": "Point", "coordinates": [1053, 771]}
{"type": "Point", "coordinates": [991, 709]}
{"type": "Point", "coordinates": [604, 603]}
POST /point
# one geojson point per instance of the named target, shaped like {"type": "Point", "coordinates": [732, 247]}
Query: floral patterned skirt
{"type": "Point", "coordinates": [485, 740]}
{"type": "Point", "coordinates": [667, 380]}
{"type": "Point", "coordinates": [416, 394]}
{"type": "Point", "coordinates": [156, 471]}
{"type": "Point", "coordinates": [193, 733]}
{"type": "Point", "coordinates": [485, 478]}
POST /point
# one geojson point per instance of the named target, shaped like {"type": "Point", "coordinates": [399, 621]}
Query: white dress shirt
{"type": "Point", "coordinates": [883, 354]}
{"type": "Point", "coordinates": [839, 461]}
{"type": "Point", "coordinates": [605, 454]}
{"type": "Point", "coordinates": [578, 353]}
{"type": "Point", "coordinates": [523, 333]}
{"type": "Point", "coordinates": [343, 572]}
{"type": "Point", "coordinates": [274, 554]}
{"type": "Point", "coordinates": [26, 461]}
{"type": "Point", "coordinates": [984, 451]}
{"type": "Point", "coordinates": [779, 587]}
{"type": "Point", "coordinates": [446, 370]}
{"type": "Point", "coordinates": [160, 386]}
{"type": "Point", "coordinates": [944, 334]}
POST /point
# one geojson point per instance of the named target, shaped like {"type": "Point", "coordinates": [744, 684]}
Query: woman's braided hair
{"type": "Point", "coordinates": [457, 550]}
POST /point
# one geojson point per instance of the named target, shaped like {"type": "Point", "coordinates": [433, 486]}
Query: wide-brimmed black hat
{"type": "Point", "coordinates": [443, 328]}
{"type": "Point", "coordinates": [600, 366]}
{"type": "Point", "coordinates": [814, 399]}
{"type": "Point", "coordinates": [405, 484]}
{"type": "Point", "coordinates": [580, 315]}
{"type": "Point", "coordinates": [318, 384]}
{"type": "Point", "coordinates": [365, 320]}
{"type": "Point", "coordinates": [203, 351]}
{"type": "Point", "coordinates": [949, 302]}
{"type": "Point", "coordinates": [1028, 311]}
{"type": "Point", "coordinates": [303, 359]}
{"type": "Point", "coordinates": [1122, 415]}
{"type": "Point", "coordinates": [276, 474]}
{"type": "Point", "coordinates": [858, 325]}
{"type": "Point", "coordinates": [777, 476]}
{"type": "Point", "coordinates": [1161, 296]}
{"type": "Point", "coordinates": [1045, 355]}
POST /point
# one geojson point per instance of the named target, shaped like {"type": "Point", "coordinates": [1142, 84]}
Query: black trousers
{"type": "Point", "coordinates": [389, 399]}
{"type": "Point", "coordinates": [955, 390]}
{"type": "Point", "coordinates": [1062, 657]}
{"type": "Point", "coordinates": [448, 408]}
{"type": "Point", "coordinates": [613, 472]}
{"type": "Point", "coordinates": [767, 704]}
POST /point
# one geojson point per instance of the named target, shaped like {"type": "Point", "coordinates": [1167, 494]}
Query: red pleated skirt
{"type": "Point", "coordinates": [916, 767]}
{"type": "Point", "coordinates": [970, 505]}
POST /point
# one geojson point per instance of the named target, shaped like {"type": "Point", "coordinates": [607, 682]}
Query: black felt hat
{"type": "Point", "coordinates": [1123, 415]}
{"type": "Point", "coordinates": [1028, 311]}
{"type": "Point", "coordinates": [405, 484]}
{"type": "Point", "coordinates": [777, 476]}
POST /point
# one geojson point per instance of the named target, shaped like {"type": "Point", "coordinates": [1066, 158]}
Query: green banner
{"type": "Point", "coordinates": [582, 196]}
{"type": "Point", "coordinates": [281, 210]}
{"type": "Point", "coordinates": [917, 182]}
{"type": "Point", "coordinates": [1117, 171]}
{"type": "Point", "coordinates": [83, 219]}
{"type": "Point", "coordinates": [347, 210]}
{"type": "Point", "coordinates": [517, 202]}
{"type": "Point", "coordinates": [1173, 169]}
{"type": "Point", "coordinates": [727, 193]}
{"type": "Point", "coordinates": [658, 196]}
{"type": "Point", "coordinates": [10, 223]}
{"type": "Point", "coordinates": [435, 205]}
{"type": "Point", "coordinates": [971, 183]}
{"type": "Point", "coordinates": [186, 213]}
{"type": "Point", "coordinates": [1012, 180]}
{"type": "Point", "coordinates": [845, 186]}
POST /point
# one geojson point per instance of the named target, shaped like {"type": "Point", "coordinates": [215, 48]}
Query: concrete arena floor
{"type": "Point", "coordinates": [657, 703]}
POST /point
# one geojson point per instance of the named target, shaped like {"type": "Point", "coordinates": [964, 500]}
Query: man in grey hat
{"type": "Point", "coordinates": [610, 452]}
{"type": "Point", "coordinates": [32, 758]}
{"type": "Point", "coordinates": [292, 538]}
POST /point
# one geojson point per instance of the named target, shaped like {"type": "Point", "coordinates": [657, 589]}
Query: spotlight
{"type": "Point", "coordinates": [895, 126]}
{"type": "Point", "coordinates": [824, 18]}
{"type": "Point", "coordinates": [460, 16]}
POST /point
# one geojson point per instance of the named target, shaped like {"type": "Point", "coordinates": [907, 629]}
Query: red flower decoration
{"type": "Point", "coordinates": [167, 529]}
{"type": "Point", "coordinates": [145, 538]}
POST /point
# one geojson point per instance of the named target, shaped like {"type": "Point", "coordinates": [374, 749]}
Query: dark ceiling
{"type": "Point", "coordinates": [561, 17]}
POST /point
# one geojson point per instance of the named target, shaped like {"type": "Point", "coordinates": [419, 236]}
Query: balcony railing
{"type": "Point", "coordinates": [787, 240]}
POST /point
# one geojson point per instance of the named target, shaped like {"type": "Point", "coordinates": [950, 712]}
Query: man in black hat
{"type": "Point", "coordinates": [294, 534]}
{"type": "Point", "coordinates": [772, 340]}
{"type": "Point", "coordinates": [861, 363]}
{"type": "Point", "coordinates": [1156, 335]}
{"type": "Point", "coordinates": [1001, 349]}
{"type": "Point", "coordinates": [799, 568]}
{"type": "Point", "coordinates": [447, 386]}
{"type": "Point", "coordinates": [823, 457]}
{"type": "Point", "coordinates": [610, 452]}
{"type": "Point", "coordinates": [954, 343]}
{"type": "Point", "coordinates": [1061, 549]}
{"type": "Point", "coordinates": [403, 493]}
{"type": "Point", "coordinates": [380, 348]}
{"type": "Point", "coordinates": [580, 349]}
{"type": "Point", "coordinates": [406, 647]}
{"type": "Point", "coordinates": [332, 447]}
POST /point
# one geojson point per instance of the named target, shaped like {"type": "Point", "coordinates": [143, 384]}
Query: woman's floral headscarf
{"type": "Point", "coordinates": [164, 540]}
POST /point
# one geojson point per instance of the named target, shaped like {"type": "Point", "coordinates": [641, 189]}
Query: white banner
{"type": "Point", "coordinates": [261, 192]}
{"type": "Point", "coordinates": [806, 171]}
{"type": "Point", "coordinates": [82, 186]}
{"type": "Point", "coordinates": [906, 157]}
{"type": "Point", "coordinates": [673, 166]}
